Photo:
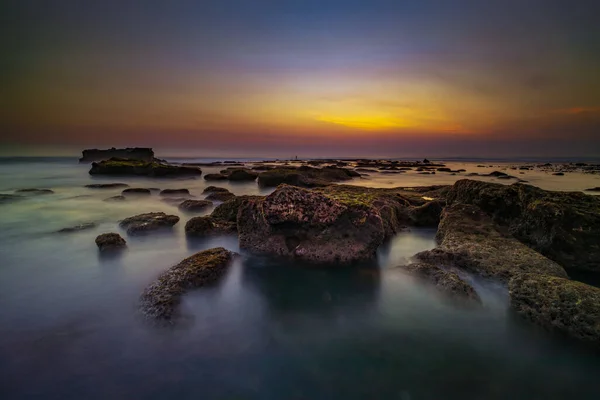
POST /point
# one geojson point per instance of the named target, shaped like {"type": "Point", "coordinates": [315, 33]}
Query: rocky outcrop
{"type": "Point", "coordinates": [564, 226]}
{"type": "Point", "coordinates": [153, 168]}
{"type": "Point", "coordinates": [447, 282]}
{"type": "Point", "coordinates": [110, 242]}
{"type": "Point", "coordinates": [160, 300]}
{"type": "Point", "coordinates": [34, 192]}
{"type": "Point", "coordinates": [209, 226]}
{"type": "Point", "coordinates": [471, 241]}
{"type": "Point", "coordinates": [303, 224]}
{"type": "Point", "coordinates": [107, 185]}
{"type": "Point", "coordinates": [135, 153]}
{"type": "Point", "coordinates": [195, 205]}
{"type": "Point", "coordinates": [559, 305]}
{"type": "Point", "coordinates": [145, 223]}
{"type": "Point", "coordinates": [305, 176]}
{"type": "Point", "coordinates": [228, 211]}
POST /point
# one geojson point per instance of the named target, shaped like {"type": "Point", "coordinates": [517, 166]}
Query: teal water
{"type": "Point", "coordinates": [269, 330]}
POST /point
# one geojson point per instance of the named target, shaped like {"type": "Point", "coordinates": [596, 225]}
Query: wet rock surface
{"type": "Point", "coordinates": [110, 242]}
{"type": "Point", "coordinates": [564, 226]}
{"type": "Point", "coordinates": [195, 205]}
{"type": "Point", "coordinates": [305, 176]}
{"type": "Point", "coordinates": [558, 305]}
{"type": "Point", "coordinates": [160, 300]}
{"type": "Point", "coordinates": [145, 223]}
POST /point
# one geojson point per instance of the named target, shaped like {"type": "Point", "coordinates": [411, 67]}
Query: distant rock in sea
{"type": "Point", "coordinates": [131, 153]}
{"type": "Point", "coordinates": [153, 168]}
{"type": "Point", "coordinates": [110, 242]}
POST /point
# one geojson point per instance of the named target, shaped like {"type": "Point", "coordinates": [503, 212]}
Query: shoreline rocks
{"type": "Point", "coordinates": [160, 300]}
{"type": "Point", "coordinates": [110, 242]}
{"type": "Point", "coordinates": [145, 223]}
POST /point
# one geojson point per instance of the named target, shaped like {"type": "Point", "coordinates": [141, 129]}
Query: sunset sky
{"type": "Point", "coordinates": [306, 77]}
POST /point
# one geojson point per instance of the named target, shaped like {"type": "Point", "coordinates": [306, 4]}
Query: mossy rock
{"type": "Point", "coordinates": [110, 242]}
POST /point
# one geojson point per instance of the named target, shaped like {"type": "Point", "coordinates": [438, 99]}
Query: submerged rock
{"type": "Point", "coordinates": [594, 189]}
{"type": "Point", "coordinates": [471, 241]}
{"type": "Point", "coordinates": [120, 166]}
{"type": "Point", "coordinates": [110, 242]}
{"type": "Point", "coordinates": [447, 282]}
{"type": "Point", "coordinates": [161, 299]}
{"type": "Point", "coordinates": [220, 196]}
{"type": "Point", "coordinates": [195, 205]}
{"type": "Point", "coordinates": [137, 191]}
{"type": "Point", "coordinates": [560, 305]}
{"type": "Point", "coordinates": [295, 222]}
{"type": "Point", "coordinates": [144, 223]}
{"type": "Point", "coordinates": [215, 177]}
{"type": "Point", "coordinates": [563, 226]}
{"type": "Point", "coordinates": [116, 198]}
{"type": "Point", "coordinates": [10, 198]}
{"type": "Point", "coordinates": [208, 226]}
{"type": "Point", "coordinates": [35, 192]}
{"type": "Point", "coordinates": [106, 185]}
{"type": "Point", "coordinates": [77, 228]}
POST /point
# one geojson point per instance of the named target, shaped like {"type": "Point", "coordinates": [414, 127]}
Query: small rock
{"type": "Point", "coordinates": [110, 241]}
{"type": "Point", "coordinates": [174, 192]}
{"type": "Point", "coordinates": [35, 192]}
{"type": "Point", "coordinates": [106, 185]}
{"type": "Point", "coordinates": [214, 189]}
{"type": "Point", "coordinates": [208, 226]}
{"type": "Point", "coordinates": [195, 205]}
{"type": "Point", "coordinates": [144, 223]}
{"type": "Point", "coordinates": [137, 191]}
{"type": "Point", "coordinates": [558, 174]}
{"type": "Point", "coordinates": [116, 198]}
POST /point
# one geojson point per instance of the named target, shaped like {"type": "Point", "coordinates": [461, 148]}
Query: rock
{"type": "Point", "coordinates": [174, 192]}
{"type": "Point", "coordinates": [154, 168]}
{"type": "Point", "coordinates": [305, 176]}
{"type": "Point", "coordinates": [447, 282]}
{"type": "Point", "coordinates": [195, 205]}
{"type": "Point", "coordinates": [137, 191]}
{"type": "Point", "coordinates": [116, 198]}
{"type": "Point", "coordinates": [308, 225]}
{"type": "Point", "coordinates": [228, 211]}
{"type": "Point", "coordinates": [594, 189]}
{"type": "Point", "coordinates": [9, 198]}
{"type": "Point", "coordinates": [106, 185]}
{"type": "Point", "coordinates": [563, 226]}
{"type": "Point", "coordinates": [148, 222]}
{"type": "Point", "coordinates": [160, 300]}
{"type": "Point", "coordinates": [208, 226]}
{"type": "Point", "coordinates": [558, 174]}
{"type": "Point", "coordinates": [34, 192]}
{"type": "Point", "coordinates": [426, 215]}
{"type": "Point", "coordinates": [136, 153]}
{"type": "Point", "coordinates": [471, 241]}
{"type": "Point", "coordinates": [215, 177]}
{"type": "Point", "coordinates": [242, 175]}
{"type": "Point", "coordinates": [110, 242]}
{"type": "Point", "coordinates": [444, 170]}
{"type": "Point", "coordinates": [174, 201]}
{"type": "Point", "coordinates": [559, 305]}
{"type": "Point", "coordinates": [426, 161]}
{"type": "Point", "coordinates": [77, 228]}
{"type": "Point", "coordinates": [215, 189]}
{"type": "Point", "coordinates": [220, 196]}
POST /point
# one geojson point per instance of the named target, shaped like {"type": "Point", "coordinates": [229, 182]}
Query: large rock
{"type": "Point", "coordinates": [209, 226]}
{"type": "Point", "coordinates": [228, 211]}
{"type": "Point", "coordinates": [471, 241]}
{"type": "Point", "coordinates": [144, 223]}
{"type": "Point", "coordinates": [220, 196]}
{"type": "Point", "coordinates": [161, 299]}
{"type": "Point", "coordinates": [305, 176]}
{"type": "Point", "coordinates": [110, 242]}
{"type": "Point", "coordinates": [136, 153]}
{"type": "Point", "coordinates": [560, 305]}
{"type": "Point", "coordinates": [307, 225]}
{"type": "Point", "coordinates": [447, 282]}
{"type": "Point", "coordinates": [153, 168]}
{"type": "Point", "coordinates": [242, 175]}
{"type": "Point", "coordinates": [564, 226]}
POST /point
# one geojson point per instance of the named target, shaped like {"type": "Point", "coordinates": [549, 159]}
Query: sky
{"type": "Point", "coordinates": [374, 78]}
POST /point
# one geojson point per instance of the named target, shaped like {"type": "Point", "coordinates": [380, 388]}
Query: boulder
{"type": "Point", "coordinates": [154, 168]}
{"type": "Point", "coordinates": [220, 196]}
{"type": "Point", "coordinates": [195, 205]}
{"type": "Point", "coordinates": [447, 282]}
{"type": "Point", "coordinates": [303, 224]}
{"type": "Point", "coordinates": [144, 223]}
{"type": "Point", "coordinates": [110, 242]}
{"type": "Point", "coordinates": [160, 300]}
{"type": "Point", "coordinates": [137, 191]}
{"type": "Point", "coordinates": [228, 211]}
{"type": "Point", "coordinates": [305, 176]}
{"type": "Point", "coordinates": [208, 226]}
{"type": "Point", "coordinates": [559, 305]}
{"type": "Point", "coordinates": [563, 226]}
{"type": "Point", "coordinates": [136, 153]}
{"type": "Point", "coordinates": [215, 189]}
{"type": "Point", "coordinates": [174, 192]}
{"type": "Point", "coordinates": [242, 175]}
{"type": "Point", "coordinates": [106, 185]}
{"type": "Point", "coordinates": [215, 177]}
{"type": "Point", "coordinates": [471, 241]}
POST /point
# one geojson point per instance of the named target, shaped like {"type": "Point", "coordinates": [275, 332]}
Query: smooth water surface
{"type": "Point", "coordinates": [269, 330]}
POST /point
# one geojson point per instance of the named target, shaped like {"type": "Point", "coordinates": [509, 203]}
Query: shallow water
{"type": "Point", "coordinates": [269, 330]}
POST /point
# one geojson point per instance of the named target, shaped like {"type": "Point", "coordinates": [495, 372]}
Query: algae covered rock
{"type": "Point", "coordinates": [144, 223]}
{"type": "Point", "coordinates": [137, 192]}
{"type": "Point", "coordinates": [110, 242]}
{"type": "Point", "coordinates": [195, 205]}
{"type": "Point", "coordinates": [559, 305]}
{"type": "Point", "coordinates": [564, 226]}
{"type": "Point", "coordinates": [470, 240]}
{"type": "Point", "coordinates": [220, 196]}
{"type": "Point", "coordinates": [160, 300]}
{"type": "Point", "coordinates": [209, 226]}
{"type": "Point", "coordinates": [228, 211]}
{"type": "Point", "coordinates": [305, 176]}
{"type": "Point", "coordinates": [295, 222]}
{"type": "Point", "coordinates": [447, 282]}
{"type": "Point", "coordinates": [34, 191]}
